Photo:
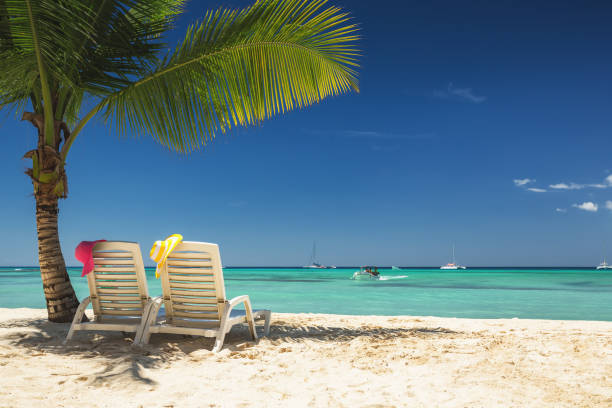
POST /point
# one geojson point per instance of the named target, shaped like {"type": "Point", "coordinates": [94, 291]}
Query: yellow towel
{"type": "Point", "coordinates": [161, 250]}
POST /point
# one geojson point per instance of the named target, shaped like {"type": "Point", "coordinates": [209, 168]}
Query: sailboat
{"type": "Point", "coordinates": [604, 265]}
{"type": "Point", "coordinates": [452, 265]}
{"type": "Point", "coordinates": [313, 259]}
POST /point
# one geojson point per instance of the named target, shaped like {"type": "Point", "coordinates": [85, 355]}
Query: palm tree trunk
{"type": "Point", "coordinates": [59, 294]}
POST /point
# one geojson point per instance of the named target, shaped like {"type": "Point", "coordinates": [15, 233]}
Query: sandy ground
{"type": "Point", "coordinates": [313, 360]}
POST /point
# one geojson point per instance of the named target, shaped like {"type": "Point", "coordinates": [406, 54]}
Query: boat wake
{"type": "Point", "coordinates": [384, 278]}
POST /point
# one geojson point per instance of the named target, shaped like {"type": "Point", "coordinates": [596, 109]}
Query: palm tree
{"type": "Point", "coordinates": [64, 62]}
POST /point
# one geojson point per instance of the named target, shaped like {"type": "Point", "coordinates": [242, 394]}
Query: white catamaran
{"type": "Point", "coordinates": [452, 265]}
{"type": "Point", "coordinates": [313, 259]}
{"type": "Point", "coordinates": [604, 265]}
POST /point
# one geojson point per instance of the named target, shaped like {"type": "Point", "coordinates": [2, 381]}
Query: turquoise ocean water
{"type": "Point", "coordinates": [543, 293]}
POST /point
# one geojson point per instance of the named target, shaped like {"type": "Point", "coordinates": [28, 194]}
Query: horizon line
{"type": "Point", "coordinates": [348, 266]}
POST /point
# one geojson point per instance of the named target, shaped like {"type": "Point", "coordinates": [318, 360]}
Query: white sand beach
{"type": "Point", "coordinates": [314, 360]}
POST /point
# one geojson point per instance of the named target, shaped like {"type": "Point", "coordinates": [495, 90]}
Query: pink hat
{"type": "Point", "coordinates": [83, 254]}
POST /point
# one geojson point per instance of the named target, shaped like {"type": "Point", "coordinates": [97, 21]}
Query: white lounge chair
{"type": "Point", "coordinates": [117, 290]}
{"type": "Point", "coordinates": [194, 298]}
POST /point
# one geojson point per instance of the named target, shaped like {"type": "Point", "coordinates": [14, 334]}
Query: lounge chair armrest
{"type": "Point", "coordinates": [228, 312]}
{"type": "Point", "coordinates": [153, 307]}
{"type": "Point", "coordinates": [151, 303]}
{"type": "Point", "coordinates": [148, 319]}
{"type": "Point", "coordinates": [86, 301]}
{"type": "Point", "coordinates": [78, 317]}
{"type": "Point", "coordinates": [239, 299]}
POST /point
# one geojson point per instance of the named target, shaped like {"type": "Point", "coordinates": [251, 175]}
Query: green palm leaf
{"type": "Point", "coordinates": [238, 68]}
{"type": "Point", "coordinates": [87, 48]}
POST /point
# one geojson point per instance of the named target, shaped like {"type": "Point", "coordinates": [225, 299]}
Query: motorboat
{"type": "Point", "coordinates": [366, 273]}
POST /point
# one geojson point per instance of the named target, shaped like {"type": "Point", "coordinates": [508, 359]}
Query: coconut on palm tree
{"type": "Point", "coordinates": [64, 62]}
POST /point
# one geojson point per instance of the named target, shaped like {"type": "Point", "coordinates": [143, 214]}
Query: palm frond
{"type": "Point", "coordinates": [88, 47]}
{"type": "Point", "coordinates": [238, 67]}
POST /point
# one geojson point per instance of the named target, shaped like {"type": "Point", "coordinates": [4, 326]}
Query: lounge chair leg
{"type": "Point", "coordinates": [143, 321]}
{"type": "Point", "coordinates": [223, 329]}
{"type": "Point", "coordinates": [250, 320]}
{"type": "Point", "coordinates": [268, 317]}
{"type": "Point", "coordinates": [144, 333]}
{"type": "Point", "coordinates": [78, 317]}
{"type": "Point", "coordinates": [218, 343]}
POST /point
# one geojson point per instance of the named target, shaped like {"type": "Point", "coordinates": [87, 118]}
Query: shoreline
{"type": "Point", "coordinates": [374, 316]}
{"type": "Point", "coordinates": [383, 316]}
{"type": "Point", "coordinates": [315, 360]}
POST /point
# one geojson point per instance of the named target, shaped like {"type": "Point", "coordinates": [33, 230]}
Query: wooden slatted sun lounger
{"type": "Point", "coordinates": [194, 298]}
{"type": "Point", "coordinates": [117, 290]}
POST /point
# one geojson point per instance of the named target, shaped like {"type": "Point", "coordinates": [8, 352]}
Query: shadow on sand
{"type": "Point", "coordinates": [293, 334]}
{"type": "Point", "coordinates": [120, 359]}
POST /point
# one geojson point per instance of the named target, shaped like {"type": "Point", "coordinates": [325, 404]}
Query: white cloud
{"type": "Point", "coordinates": [575, 186]}
{"type": "Point", "coordinates": [463, 94]}
{"type": "Point", "coordinates": [560, 186]}
{"type": "Point", "coordinates": [587, 206]}
{"type": "Point", "coordinates": [525, 181]}
{"type": "Point", "coordinates": [522, 182]}
{"type": "Point", "coordinates": [561, 210]}
{"type": "Point", "coordinates": [466, 93]}
{"type": "Point", "coordinates": [564, 186]}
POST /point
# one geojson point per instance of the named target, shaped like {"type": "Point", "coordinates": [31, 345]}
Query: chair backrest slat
{"type": "Point", "coordinates": [192, 285]}
{"type": "Point", "coordinates": [118, 284]}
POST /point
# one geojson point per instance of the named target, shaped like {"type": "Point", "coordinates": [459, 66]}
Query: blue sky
{"type": "Point", "coordinates": [464, 107]}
